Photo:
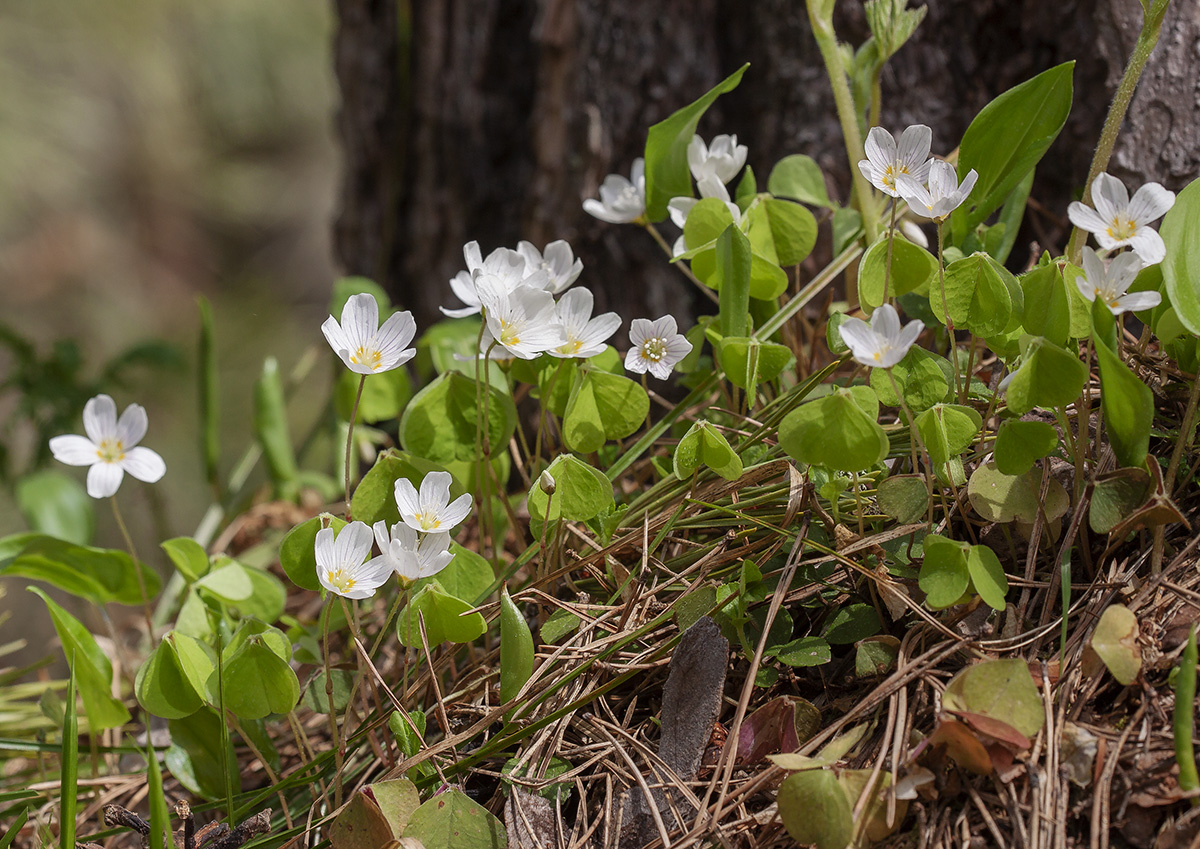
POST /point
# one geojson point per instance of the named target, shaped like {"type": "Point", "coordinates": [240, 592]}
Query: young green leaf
{"type": "Point", "coordinates": [100, 575]}
{"type": "Point", "coordinates": [1181, 267]}
{"type": "Point", "coordinates": [913, 268]}
{"type": "Point", "coordinates": [447, 619]}
{"type": "Point", "coordinates": [189, 557]}
{"type": "Point", "coordinates": [1128, 405]}
{"type": "Point", "coordinates": [162, 687]}
{"type": "Point", "coordinates": [271, 429]}
{"type": "Point", "coordinates": [452, 819]}
{"type": "Point", "coordinates": [978, 292]}
{"type": "Point", "coordinates": [733, 281]}
{"type": "Point", "coordinates": [603, 406]}
{"type": "Point", "coordinates": [1007, 138]}
{"type": "Point", "coordinates": [195, 758]}
{"type": "Point", "coordinates": [987, 576]}
{"type": "Point", "coordinates": [92, 668]}
{"type": "Point", "coordinates": [57, 505]}
{"type": "Point", "coordinates": [1049, 377]}
{"type": "Point", "coordinates": [704, 445]}
{"type": "Point", "coordinates": [516, 649]}
{"type": "Point", "coordinates": [835, 432]}
{"type": "Point", "coordinates": [667, 173]}
{"type": "Point", "coordinates": [1021, 444]}
{"type": "Point", "coordinates": [799, 177]}
{"type": "Point", "coordinates": [920, 377]}
{"type": "Point", "coordinates": [297, 551]}
{"type": "Point", "coordinates": [944, 574]}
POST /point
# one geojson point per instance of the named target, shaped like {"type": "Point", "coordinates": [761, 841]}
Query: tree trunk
{"type": "Point", "coordinates": [492, 120]}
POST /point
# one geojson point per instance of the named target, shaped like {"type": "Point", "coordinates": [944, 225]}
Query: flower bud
{"type": "Point", "coordinates": [546, 482]}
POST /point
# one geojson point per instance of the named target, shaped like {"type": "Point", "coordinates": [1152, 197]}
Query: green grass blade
{"type": "Point", "coordinates": [1185, 699]}
{"type": "Point", "coordinates": [160, 817]}
{"type": "Point", "coordinates": [210, 447]}
{"type": "Point", "coordinates": [68, 785]}
{"type": "Point", "coordinates": [14, 829]}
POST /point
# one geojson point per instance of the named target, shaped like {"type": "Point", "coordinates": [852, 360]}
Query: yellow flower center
{"type": "Point", "coordinates": [369, 357]}
{"type": "Point", "coordinates": [1122, 228]}
{"type": "Point", "coordinates": [572, 347]}
{"type": "Point", "coordinates": [428, 521]}
{"type": "Point", "coordinates": [340, 580]}
{"type": "Point", "coordinates": [111, 451]}
{"type": "Point", "coordinates": [509, 333]}
{"type": "Point", "coordinates": [653, 349]}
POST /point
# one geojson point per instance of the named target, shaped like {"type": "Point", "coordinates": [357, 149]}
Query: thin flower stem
{"type": "Point", "coordinates": [137, 570]}
{"type": "Point", "coordinates": [887, 269]}
{"type": "Point", "coordinates": [404, 680]}
{"type": "Point", "coordinates": [646, 387]}
{"type": "Point", "coordinates": [1146, 41]}
{"type": "Point", "coordinates": [386, 624]}
{"type": "Point", "coordinates": [543, 412]}
{"type": "Point", "coordinates": [339, 751]}
{"type": "Point", "coordinates": [958, 387]}
{"type": "Point", "coordinates": [1186, 435]}
{"type": "Point", "coordinates": [687, 272]}
{"type": "Point", "coordinates": [915, 442]}
{"type": "Point", "coordinates": [362, 381]}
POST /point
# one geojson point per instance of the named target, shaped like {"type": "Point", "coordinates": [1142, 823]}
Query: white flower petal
{"type": "Point", "coordinates": [104, 479]}
{"type": "Point", "coordinates": [664, 327]}
{"type": "Point", "coordinates": [634, 361]}
{"type": "Point", "coordinates": [74, 450]}
{"type": "Point", "coordinates": [880, 148]}
{"type": "Point", "coordinates": [1137, 301]}
{"type": "Point", "coordinates": [1109, 197]}
{"type": "Point", "coordinates": [913, 149]}
{"type": "Point", "coordinates": [456, 511]}
{"type": "Point", "coordinates": [100, 418]}
{"type": "Point", "coordinates": [337, 339]}
{"type": "Point", "coordinates": [352, 545]}
{"type": "Point", "coordinates": [132, 425]}
{"type": "Point", "coordinates": [885, 322]}
{"type": "Point", "coordinates": [144, 464]}
{"type": "Point", "coordinates": [1086, 218]}
{"type": "Point", "coordinates": [360, 320]}
{"type": "Point", "coordinates": [323, 551]}
{"type": "Point", "coordinates": [1148, 245]}
{"type": "Point", "coordinates": [1150, 203]}
{"type": "Point", "coordinates": [407, 499]}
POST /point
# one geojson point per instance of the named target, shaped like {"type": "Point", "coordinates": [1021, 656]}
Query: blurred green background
{"type": "Point", "coordinates": [153, 151]}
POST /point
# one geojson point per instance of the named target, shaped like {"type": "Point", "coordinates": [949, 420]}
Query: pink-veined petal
{"type": "Point", "coordinates": [132, 425]}
{"type": "Point", "coordinates": [913, 149]}
{"type": "Point", "coordinates": [360, 320]}
{"type": "Point", "coordinates": [640, 329]}
{"type": "Point", "coordinates": [1109, 196]}
{"type": "Point", "coordinates": [353, 544]}
{"type": "Point", "coordinates": [597, 331]}
{"type": "Point", "coordinates": [1150, 202]}
{"type": "Point", "coordinates": [574, 309]}
{"type": "Point", "coordinates": [664, 327]}
{"type": "Point", "coordinates": [634, 361]}
{"type": "Point", "coordinates": [104, 479]}
{"type": "Point", "coordinates": [144, 464]}
{"type": "Point", "coordinates": [942, 179]}
{"type": "Point", "coordinates": [100, 418]}
{"type": "Point", "coordinates": [880, 148]}
{"type": "Point", "coordinates": [661, 369]}
{"type": "Point", "coordinates": [74, 450]}
{"type": "Point", "coordinates": [456, 511]}
{"type": "Point", "coordinates": [396, 332]}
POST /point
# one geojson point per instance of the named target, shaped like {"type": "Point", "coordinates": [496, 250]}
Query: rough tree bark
{"type": "Point", "coordinates": [493, 119]}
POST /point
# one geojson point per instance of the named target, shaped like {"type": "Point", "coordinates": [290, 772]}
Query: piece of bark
{"type": "Point", "coordinates": [691, 704]}
{"type": "Point", "coordinates": [529, 821]}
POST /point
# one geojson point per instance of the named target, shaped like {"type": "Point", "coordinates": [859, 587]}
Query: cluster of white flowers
{"type": "Point", "coordinates": [930, 187]}
{"type": "Point", "coordinates": [515, 292]}
{"type": "Point", "coordinates": [416, 547]}
{"type": "Point", "coordinates": [1118, 221]}
{"type": "Point", "coordinates": [712, 166]}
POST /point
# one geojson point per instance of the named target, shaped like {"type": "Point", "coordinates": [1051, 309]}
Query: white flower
{"type": "Point", "coordinates": [1117, 221]}
{"type": "Point", "coordinates": [522, 321]}
{"type": "Point", "coordinates": [881, 344]}
{"type": "Point", "coordinates": [621, 201]}
{"type": "Point", "coordinates": [557, 261]}
{"type": "Point", "coordinates": [431, 511]}
{"type": "Point", "coordinates": [885, 162]}
{"type": "Point", "coordinates": [364, 346]}
{"type": "Point", "coordinates": [679, 208]}
{"type": "Point", "coordinates": [340, 566]}
{"type": "Point", "coordinates": [585, 335]}
{"type": "Point", "coordinates": [657, 346]}
{"type": "Point", "coordinates": [412, 556]}
{"type": "Point", "coordinates": [109, 447]}
{"type": "Point", "coordinates": [944, 194]}
{"type": "Point", "coordinates": [722, 159]}
{"type": "Point", "coordinates": [1111, 283]}
{"type": "Point", "coordinates": [504, 264]}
